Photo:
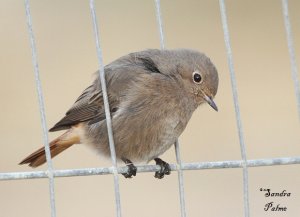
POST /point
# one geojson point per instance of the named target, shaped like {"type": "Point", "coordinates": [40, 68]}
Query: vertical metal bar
{"type": "Point", "coordinates": [288, 29]}
{"type": "Point", "coordinates": [236, 106]}
{"type": "Point", "coordinates": [41, 107]}
{"type": "Point", "coordinates": [177, 151]}
{"type": "Point", "coordinates": [159, 22]}
{"type": "Point", "coordinates": [180, 180]}
{"type": "Point", "coordinates": [107, 110]}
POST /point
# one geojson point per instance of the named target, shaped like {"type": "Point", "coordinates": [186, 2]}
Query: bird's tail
{"type": "Point", "coordinates": [57, 146]}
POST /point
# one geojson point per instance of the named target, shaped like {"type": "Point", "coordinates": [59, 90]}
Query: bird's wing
{"type": "Point", "coordinates": [88, 107]}
{"type": "Point", "coordinates": [119, 77]}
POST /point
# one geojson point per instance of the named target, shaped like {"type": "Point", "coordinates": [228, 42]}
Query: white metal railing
{"type": "Point", "coordinates": [50, 173]}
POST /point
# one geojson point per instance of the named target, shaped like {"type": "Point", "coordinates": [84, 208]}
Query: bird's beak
{"type": "Point", "coordinates": [210, 102]}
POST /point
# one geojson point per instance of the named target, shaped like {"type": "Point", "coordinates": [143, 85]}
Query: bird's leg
{"type": "Point", "coordinates": [131, 168]}
{"type": "Point", "coordinates": [164, 168]}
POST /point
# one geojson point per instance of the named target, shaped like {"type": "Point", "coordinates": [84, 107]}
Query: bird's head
{"type": "Point", "coordinates": [200, 77]}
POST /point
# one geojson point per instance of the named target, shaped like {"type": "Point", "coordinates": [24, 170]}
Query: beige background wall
{"type": "Point", "coordinates": [67, 58]}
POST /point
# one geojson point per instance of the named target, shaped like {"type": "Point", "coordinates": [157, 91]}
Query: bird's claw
{"type": "Point", "coordinates": [131, 169]}
{"type": "Point", "coordinates": [164, 168]}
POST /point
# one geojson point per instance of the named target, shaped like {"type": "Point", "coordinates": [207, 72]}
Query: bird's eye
{"type": "Point", "coordinates": [197, 77]}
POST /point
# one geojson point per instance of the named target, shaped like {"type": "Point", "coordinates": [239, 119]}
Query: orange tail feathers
{"type": "Point", "coordinates": [57, 146]}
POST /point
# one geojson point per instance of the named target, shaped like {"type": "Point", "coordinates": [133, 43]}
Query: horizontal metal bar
{"type": "Point", "coordinates": [150, 168]}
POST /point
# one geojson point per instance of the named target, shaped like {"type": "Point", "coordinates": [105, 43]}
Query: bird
{"type": "Point", "coordinates": [152, 95]}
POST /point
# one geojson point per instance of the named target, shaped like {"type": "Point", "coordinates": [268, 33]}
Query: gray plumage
{"type": "Point", "coordinates": [152, 96]}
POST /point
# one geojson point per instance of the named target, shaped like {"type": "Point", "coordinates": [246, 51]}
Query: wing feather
{"type": "Point", "coordinates": [119, 77]}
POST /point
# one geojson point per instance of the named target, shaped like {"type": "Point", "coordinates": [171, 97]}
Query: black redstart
{"type": "Point", "coordinates": [152, 96]}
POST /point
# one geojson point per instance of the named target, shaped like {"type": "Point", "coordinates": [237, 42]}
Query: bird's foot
{"type": "Point", "coordinates": [164, 168]}
{"type": "Point", "coordinates": [131, 169]}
